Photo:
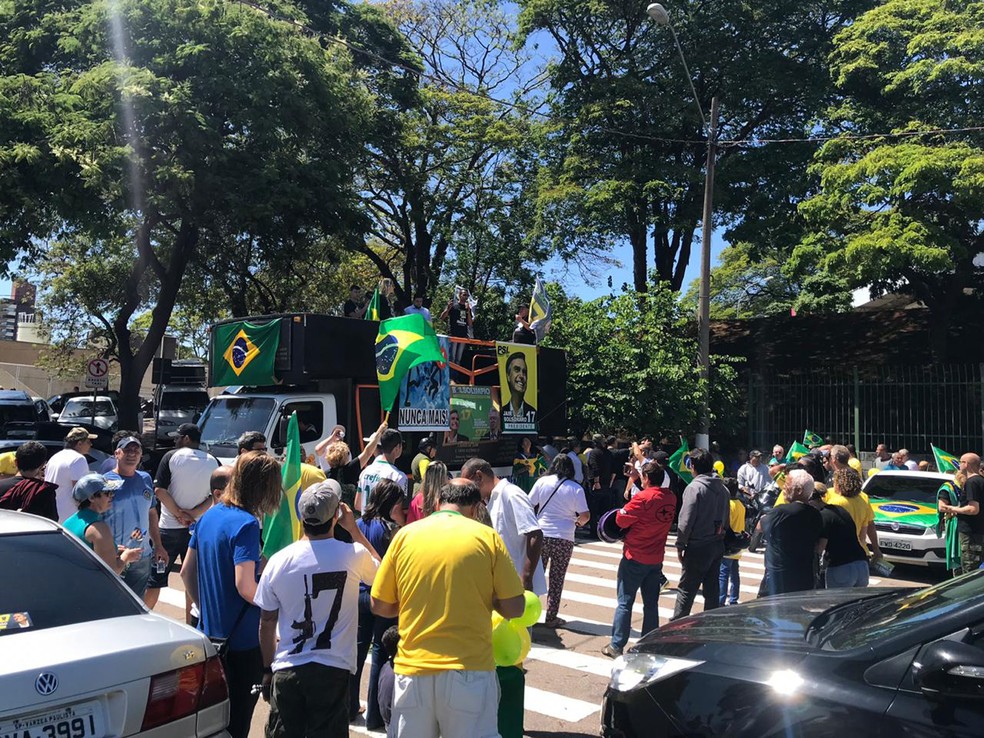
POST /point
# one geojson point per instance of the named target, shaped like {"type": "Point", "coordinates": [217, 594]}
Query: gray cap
{"type": "Point", "coordinates": [319, 503]}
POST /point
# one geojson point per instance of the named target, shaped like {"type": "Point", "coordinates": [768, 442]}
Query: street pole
{"type": "Point", "coordinates": [704, 296]}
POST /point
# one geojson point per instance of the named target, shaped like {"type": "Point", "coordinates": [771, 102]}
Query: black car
{"type": "Point", "coordinates": [862, 662]}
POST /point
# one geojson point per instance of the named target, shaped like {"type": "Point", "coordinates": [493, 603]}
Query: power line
{"type": "Point", "coordinates": [526, 110]}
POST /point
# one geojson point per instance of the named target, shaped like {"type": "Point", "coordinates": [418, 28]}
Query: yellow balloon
{"type": "Point", "coordinates": [532, 612]}
{"type": "Point", "coordinates": [496, 619]}
{"type": "Point", "coordinates": [506, 644]}
{"type": "Point", "coordinates": [719, 468]}
{"type": "Point", "coordinates": [872, 471]}
{"type": "Point", "coordinates": [525, 644]}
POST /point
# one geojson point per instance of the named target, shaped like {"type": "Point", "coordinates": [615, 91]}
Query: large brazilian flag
{"type": "Point", "coordinates": [244, 353]}
{"type": "Point", "coordinates": [282, 528]}
{"type": "Point", "coordinates": [904, 512]}
{"type": "Point", "coordinates": [402, 343]}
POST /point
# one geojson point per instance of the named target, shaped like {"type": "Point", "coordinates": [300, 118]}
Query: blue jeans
{"type": "Point", "coordinates": [633, 576]}
{"type": "Point", "coordinates": [854, 574]}
{"type": "Point", "coordinates": [729, 572]}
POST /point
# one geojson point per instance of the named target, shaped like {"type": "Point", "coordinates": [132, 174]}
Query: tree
{"type": "Point", "coordinates": [630, 362]}
{"type": "Point", "coordinates": [625, 156]}
{"type": "Point", "coordinates": [902, 213]}
{"type": "Point", "coordinates": [142, 134]}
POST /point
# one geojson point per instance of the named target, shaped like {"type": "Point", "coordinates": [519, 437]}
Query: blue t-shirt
{"type": "Point", "coordinates": [379, 535]}
{"type": "Point", "coordinates": [129, 516]}
{"type": "Point", "coordinates": [224, 537]}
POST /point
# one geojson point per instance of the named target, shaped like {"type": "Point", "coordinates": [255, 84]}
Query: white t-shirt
{"type": "Point", "coordinates": [380, 468]}
{"type": "Point", "coordinates": [513, 517]}
{"type": "Point", "coordinates": [912, 465]}
{"type": "Point", "coordinates": [558, 516]}
{"type": "Point", "coordinates": [185, 474]}
{"type": "Point", "coordinates": [65, 468]}
{"type": "Point", "coordinates": [304, 582]}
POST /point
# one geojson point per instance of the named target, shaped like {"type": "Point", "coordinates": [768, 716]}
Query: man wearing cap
{"type": "Point", "coordinates": [182, 486]}
{"type": "Point", "coordinates": [309, 598]}
{"type": "Point", "coordinates": [753, 476]}
{"type": "Point", "coordinates": [67, 467]}
{"type": "Point", "coordinates": [133, 517]}
{"type": "Point", "coordinates": [93, 494]}
{"type": "Point", "coordinates": [647, 518]}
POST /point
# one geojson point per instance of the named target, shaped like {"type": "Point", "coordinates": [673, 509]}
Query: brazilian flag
{"type": "Point", "coordinates": [811, 439]}
{"type": "Point", "coordinates": [282, 528]}
{"type": "Point", "coordinates": [372, 309]}
{"type": "Point", "coordinates": [678, 462]}
{"type": "Point", "coordinates": [796, 451]}
{"type": "Point", "coordinates": [244, 353]}
{"type": "Point", "coordinates": [945, 463]}
{"type": "Point", "coordinates": [402, 343]}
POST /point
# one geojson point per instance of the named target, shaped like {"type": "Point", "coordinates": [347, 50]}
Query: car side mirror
{"type": "Point", "coordinates": [950, 670]}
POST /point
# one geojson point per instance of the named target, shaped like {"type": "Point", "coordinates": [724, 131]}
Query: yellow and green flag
{"type": "Point", "coordinates": [945, 463]}
{"type": "Point", "coordinates": [372, 309]}
{"type": "Point", "coordinates": [678, 462]}
{"type": "Point", "coordinates": [796, 451]}
{"type": "Point", "coordinates": [244, 353]}
{"type": "Point", "coordinates": [281, 528]}
{"type": "Point", "coordinates": [401, 344]}
{"type": "Point", "coordinates": [811, 439]}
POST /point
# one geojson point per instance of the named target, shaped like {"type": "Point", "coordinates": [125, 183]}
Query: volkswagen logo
{"type": "Point", "coordinates": [46, 683]}
{"type": "Point", "coordinates": [895, 526]}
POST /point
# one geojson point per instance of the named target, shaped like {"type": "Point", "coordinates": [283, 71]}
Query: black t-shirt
{"type": "Point", "coordinates": [620, 457]}
{"type": "Point", "coordinates": [600, 466]}
{"type": "Point", "coordinates": [793, 530]}
{"type": "Point", "coordinates": [458, 320]}
{"type": "Point", "coordinates": [349, 308]}
{"type": "Point", "coordinates": [843, 546]}
{"type": "Point", "coordinates": [973, 491]}
{"type": "Point", "coordinates": [522, 334]}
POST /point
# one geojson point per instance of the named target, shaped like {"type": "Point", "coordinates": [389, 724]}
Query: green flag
{"type": "Point", "coordinates": [372, 309]}
{"type": "Point", "coordinates": [951, 538]}
{"type": "Point", "coordinates": [678, 462]}
{"type": "Point", "coordinates": [796, 450]}
{"type": "Point", "coordinates": [244, 353]}
{"type": "Point", "coordinates": [811, 439]}
{"type": "Point", "coordinates": [945, 463]}
{"type": "Point", "coordinates": [402, 343]}
{"type": "Point", "coordinates": [282, 528]}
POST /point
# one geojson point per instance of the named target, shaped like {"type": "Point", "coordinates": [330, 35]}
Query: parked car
{"type": "Point", "coordinates": [19, 407]}
{"type": "Point", "coordinates": [81, 655]}
{"type": "Point", "coordinates": [865, 662]}
{"type": "Point", "coordinates": [177, 405]}
{"type": "Point", "coordinates": [80, 410]}
{"type": "Point", "coordinates": [57, 402]}
{"type": "Point", "coordinates": [906, 515]}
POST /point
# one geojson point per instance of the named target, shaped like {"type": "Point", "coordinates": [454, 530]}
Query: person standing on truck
{"type": "Point", "coordinates": [355, 306]}
{"type": "Point", "coordinates": [417, 307]}
{"type": "Point", "coordinates": [390, 448]}
{"type": "Point", "coordinates": [460, 318]}
{"type": "Point", "coordinates": [182, 487]}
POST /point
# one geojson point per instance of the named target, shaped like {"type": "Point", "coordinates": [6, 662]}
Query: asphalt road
{"type": "Point", "coordinates": [566, 672]}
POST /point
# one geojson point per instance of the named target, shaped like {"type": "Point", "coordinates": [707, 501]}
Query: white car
{"type": "Point", "coordinates": [906, 515]}
{"type": "Point", "coordinates": [80, 655]}
{"type": "Point", "coordinates": [79, 410]}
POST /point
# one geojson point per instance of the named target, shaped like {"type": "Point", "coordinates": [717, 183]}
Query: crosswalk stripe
{"type": "Point", "coordinates": [748, 561]}
{"type": "Point", "coordinates": [590, 627]}
{"type": "Point", "coordinates": [573, 660]}
{"type": "Point", "coordinates": [613, 584]}
{"type": "Point", "coordinates": [608, 602]}
{"type": "Point", "coordinates": [558, 706]}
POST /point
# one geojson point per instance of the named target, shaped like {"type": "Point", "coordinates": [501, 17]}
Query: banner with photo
{"type": "Point", "coordinates": [517, 380]}
{"type": "Point", "coordinates": [470, 411]}
{"type": "Point", "coordinates": [425, 403]}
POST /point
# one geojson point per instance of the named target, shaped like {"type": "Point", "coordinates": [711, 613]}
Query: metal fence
{"type": "Point", "coordinates": [900, 406]}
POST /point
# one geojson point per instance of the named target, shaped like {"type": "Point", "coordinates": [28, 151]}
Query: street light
{"type": "Point", "coordinates": [662, 18]}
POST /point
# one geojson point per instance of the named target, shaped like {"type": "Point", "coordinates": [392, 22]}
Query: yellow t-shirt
{"type": "Point", "coordinates": [8, 464]}
{"type": "Point", "coordinates": [737, 522]}
{"type": "Point", "coordinates": [309, 475]}
{"type": "Point", "coordinates": [860, 509]}
{"type": "Point", "coordinates": [444, 571]}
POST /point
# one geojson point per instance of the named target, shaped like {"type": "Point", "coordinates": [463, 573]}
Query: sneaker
{"type": "Point", "coordinates": [610, 651]}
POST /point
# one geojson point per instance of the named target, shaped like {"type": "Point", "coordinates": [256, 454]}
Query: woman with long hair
{"type": "Point", "coordinates": [220, 572]}
{"type": "Point", "coordinates": [560, 505]}
{"type": "Point", "coordinates": [383, 516]}
{"type": "Point", "coordinates": [425, 501]}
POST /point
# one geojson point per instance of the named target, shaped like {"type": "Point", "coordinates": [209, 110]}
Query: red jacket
{"type": "Point", "coordinates": [34, 496]}
{"type": "Point", "coordinates": [648, 517]}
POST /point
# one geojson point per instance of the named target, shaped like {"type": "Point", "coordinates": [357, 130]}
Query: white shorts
{"type": "Point", "coordinates": [451, 704]}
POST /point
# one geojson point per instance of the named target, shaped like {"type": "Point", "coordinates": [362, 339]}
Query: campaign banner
{"type": "Point", "coordinates": [517, 380]}
{"type": "Point", "coordinates": [470, 410]}
{"type": "Point", "coordinates": [426, 395]}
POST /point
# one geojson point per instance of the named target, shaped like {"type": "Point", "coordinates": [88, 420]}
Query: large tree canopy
{"type": "Point", "coordinates": [139, 135]}
{"type": "Point", "coordinates": [902, 213]}
{"type": "Point", "coordinates": [627, 151]}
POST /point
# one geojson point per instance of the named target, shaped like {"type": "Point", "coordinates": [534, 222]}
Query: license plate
{"type": "Point", "coordinates": [78, 721]}
{"type": "Point", "coordinates": [897, 545]}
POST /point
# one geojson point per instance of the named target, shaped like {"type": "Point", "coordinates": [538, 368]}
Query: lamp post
{"type": "Point", "coordinates": [659, 15]}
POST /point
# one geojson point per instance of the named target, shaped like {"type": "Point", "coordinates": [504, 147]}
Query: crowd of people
{"type": "Point", "coordinates": [411, 568]}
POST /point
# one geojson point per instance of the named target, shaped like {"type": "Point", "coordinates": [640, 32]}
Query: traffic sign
{"type": "Point", "coordinates": [97, 374]}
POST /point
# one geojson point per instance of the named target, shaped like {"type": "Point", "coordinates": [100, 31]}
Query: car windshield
{"type": "Point", "coordinates": [83, 409]}
{"type": "Point", "coordinates": [17, 413]}
{"type": "Point", "coordinates": [866, 621]}
{"type": "Point", "coordinates": [227, 418]}
{"type": "Point", "coordinates": [47, 581]}
{"type": "Point", "coordinates": [187, 403]}
{"type": "Point", "coordinates": [913, 487]}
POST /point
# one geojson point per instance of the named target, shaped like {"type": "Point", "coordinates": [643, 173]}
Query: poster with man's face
{"type": "Point", "coordinates": [517, 379]}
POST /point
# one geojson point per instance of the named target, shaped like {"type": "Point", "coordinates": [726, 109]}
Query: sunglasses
{"type": "Point", "coordinates": [105, 493]}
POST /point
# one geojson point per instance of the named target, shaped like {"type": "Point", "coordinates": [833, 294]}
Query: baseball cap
{"type": "Point", "coordinates": [187, 429]}
{"type": "Point", "coordinates": [124, 442]}
{"type": "Point", "coordinates": [755, 453]}
{"type": "Point", "coordinates": [79, 434]}
{"type": "Point", "coordinates": [661, 456]}
{"type": "Point", "coordinates": [92, 484]}
{"type": "Point", "coordinates": [319, 503]}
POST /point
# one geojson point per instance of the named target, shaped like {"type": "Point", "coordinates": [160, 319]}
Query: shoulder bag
{"type": "Point", "coordinates": [538, 508]}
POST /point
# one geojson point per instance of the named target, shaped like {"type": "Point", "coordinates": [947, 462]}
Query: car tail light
{"type": "Point", "coordinates": [177, 694]}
